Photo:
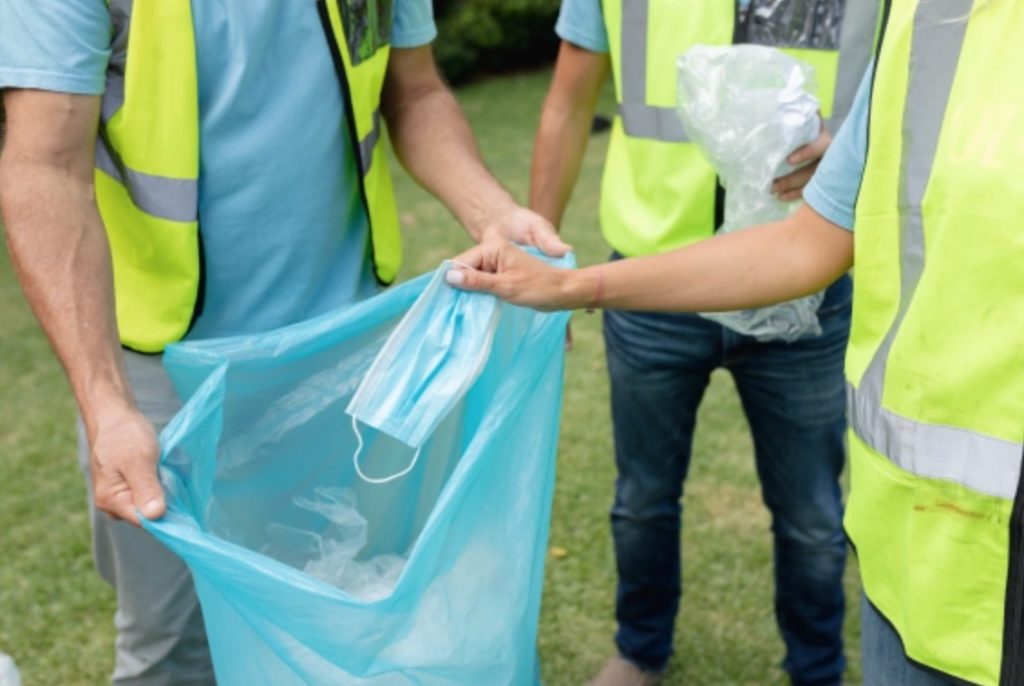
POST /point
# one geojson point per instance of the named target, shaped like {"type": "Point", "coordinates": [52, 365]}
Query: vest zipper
{"type": "Point", "coordinates": [1013, 624]}
{"type": "Point", "coordinates": [350, 116]}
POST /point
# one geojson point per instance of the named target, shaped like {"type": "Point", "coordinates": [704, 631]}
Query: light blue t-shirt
{"type": "Point", "coordinates": [285, 236]}
{"type": "Point", "coordinates": [833, 190]}
{"type": "Point", "coordinates": [581, 22]}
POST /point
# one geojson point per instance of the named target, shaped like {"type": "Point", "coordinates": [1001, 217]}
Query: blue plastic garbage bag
{"type": "Point", "coordinates": [308, 573]}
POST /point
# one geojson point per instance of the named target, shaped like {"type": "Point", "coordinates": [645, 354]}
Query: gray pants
{"type": "Point", "coordinates": [161, 640]}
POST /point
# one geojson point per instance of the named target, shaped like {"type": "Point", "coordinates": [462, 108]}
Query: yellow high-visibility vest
{"type": "Point", "coordinates": [658, 191]}
{"type": "Point", "coordinates": [936, 355]}
{"type": "Point", "coordinates": [147, 161]}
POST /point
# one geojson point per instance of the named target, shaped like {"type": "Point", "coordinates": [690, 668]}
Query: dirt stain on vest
{"type": "Point", "coordinates": [954, 508]}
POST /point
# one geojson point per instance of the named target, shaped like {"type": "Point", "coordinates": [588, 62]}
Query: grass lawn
{"type": "Point", "coordinates": [55, 613]}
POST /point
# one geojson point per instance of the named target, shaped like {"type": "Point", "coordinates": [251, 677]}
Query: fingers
{"type": "Point", "coordinates": [472, 280]}
{"type": "Point", "coordinates": [550, 243]}
{"type": "Point", "coordinates": [526, 227]}
{"type": "Point", "coordinates": [790, 187]}
{"type": "Point", "coordinates": [813, 151]}
{"type": "Point", "coordinates": [126, 493]}
{"type": "Point", "coordinates": [123, 463]}
{"type": "Point", "coordinates": [147, 495]}
{"type": "Point", "coordinates": [474, 257]}
{"type": "Point", "coordinates": [114, 498]}
{"type": "Point", "coordinates": [484, 257]}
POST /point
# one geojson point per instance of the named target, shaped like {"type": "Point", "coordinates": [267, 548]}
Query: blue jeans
{"type": "Point", "coordinates": [885, 663]}
{"type": "Point", "coordinates": [793, 395]}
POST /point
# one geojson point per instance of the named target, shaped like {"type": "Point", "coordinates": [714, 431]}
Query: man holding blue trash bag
{"type": "Point", "coordinates": [659, 193]}
{"type": "Point", "coordinates": [231, 179]}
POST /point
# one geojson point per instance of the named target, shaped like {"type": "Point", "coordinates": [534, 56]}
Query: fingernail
{"type": "Point", "coordinates": [454, 277]}
{"type": "Point", "coordinates": [151, 507]}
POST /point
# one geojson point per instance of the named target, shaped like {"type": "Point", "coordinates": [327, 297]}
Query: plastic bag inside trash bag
{"type": "Point", "coordinates": [330, 555]}
{"type": "Point", "coordinates": [748, 107]}
{"type": "Point", "coordinates": [308, 573]}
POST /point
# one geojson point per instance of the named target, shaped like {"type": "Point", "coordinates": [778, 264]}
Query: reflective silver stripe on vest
{"type": "Point", "coordinates": [983, 463]}
{"type": "Point", "coordinates": [173, 199]}
{"type": "Point", "coordinates": [368, 144]}
{"type": "Point", "coordinates": [639, 119]}
{"type": "Point", "coordinates": [166, 198]}
{"type": "Point", "coordinates": [856, 43]}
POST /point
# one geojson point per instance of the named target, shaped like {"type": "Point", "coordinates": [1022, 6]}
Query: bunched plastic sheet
{"type": "Point", "coordinates": [428, 570]}
{"type": "Point", "coordinates": [748, 107]}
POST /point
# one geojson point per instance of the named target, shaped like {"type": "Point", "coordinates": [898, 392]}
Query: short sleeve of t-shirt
{"type": "Point", "coordinates": [833, 189]}
{"type": "Point", "coordinates": [414, 24]}
{"type": "Point", "coordinates": [55, 45]}
{"type": "Point", "coordinates": [581, 22]}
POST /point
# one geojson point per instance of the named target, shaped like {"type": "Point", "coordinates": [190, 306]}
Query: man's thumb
{"type": "Point", "coordinates": [147, 496]}
{"type": "Point", "coordinates": [553, 245]}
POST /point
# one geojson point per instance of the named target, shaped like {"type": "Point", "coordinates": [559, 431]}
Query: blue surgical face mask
{"type": "Point", "coordinates": [426, 366]}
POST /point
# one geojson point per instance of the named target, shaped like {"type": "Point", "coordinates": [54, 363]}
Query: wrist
{"type": "Point", "coordinates": [106, 404]}
{"type": "Point", "coordinates": [584, 288]}
{"type": "Point", "coordinates": [482, 219]}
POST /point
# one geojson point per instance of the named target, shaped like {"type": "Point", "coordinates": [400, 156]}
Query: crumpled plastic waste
{"type": "Point", "coordinates": [748, 107]}
{"type": "Point", "coordinates": [331, 554]}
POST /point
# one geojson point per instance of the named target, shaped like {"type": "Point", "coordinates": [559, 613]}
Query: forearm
{"type": "Point", "coordinates": [434, 143]}
{"type": "Point", "coordinates": [557, 156]}
{"type": "Point", "coordinates": [564, 129]}
{"type": "Point", "coordinates": [759, 266]}
{"type": "Point", "coordinates": [61, 257]}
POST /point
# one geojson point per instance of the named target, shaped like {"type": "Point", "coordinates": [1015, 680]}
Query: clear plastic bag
{"type": "Point", "coordinates": [748, 107]}
{"type": "Point", "coordinates": [311, 574]}
{"type": "Point", "coordinates": [331, 554]}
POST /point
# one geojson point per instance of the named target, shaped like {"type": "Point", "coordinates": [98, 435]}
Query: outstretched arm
{"type": "Point", "coordinates": [434, 143]}
{"type": "Point", "coordinates": [762, 265]}
{"type": "Point", "coordinates": [60, 253]}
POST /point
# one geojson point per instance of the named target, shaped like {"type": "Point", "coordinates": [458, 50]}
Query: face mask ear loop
{"type": "Point", "coordinates": [359, 469]}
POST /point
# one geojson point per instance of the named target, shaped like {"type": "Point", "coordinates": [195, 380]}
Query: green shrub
{"type": "Point", "coordinates": [477, 36]}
